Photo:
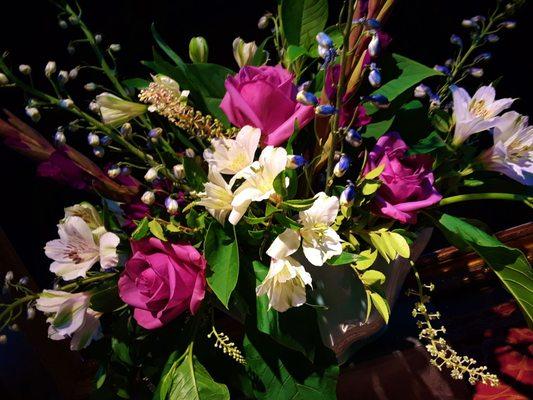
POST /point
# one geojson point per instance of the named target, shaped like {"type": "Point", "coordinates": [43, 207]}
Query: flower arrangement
{"type": "Point", "coordinates": [225, 195]}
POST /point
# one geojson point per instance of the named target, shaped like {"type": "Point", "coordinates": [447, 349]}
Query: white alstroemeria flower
{"type": "Point", "coordinates": [234, 156]}
{"type": "Point", "coordinates": [475, 114]}
{"type": "Point", "coordinates": [218, 197]}
{"type": "Point", "coordinates": [78, 249]}
{"type": "Point", "coordinates": [258, 185]}
{"type": "Point", "coordinates": [319, 241]}
{"type": "Point", "coordinates": [70, 316]}
{"type": "Point", "coordinates": [285, 284]}
{"type": "Point", "coordinates": [512, 153]}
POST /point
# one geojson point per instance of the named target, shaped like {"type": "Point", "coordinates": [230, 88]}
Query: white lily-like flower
{"type": "Point", "coordinates": [258, 185]}
{"type": "Point", "coordinates": [475, 114]}
{"type": "Point", "coordinates": [512, 152]}
{"type": "Point", "coordinates": [285, 284]}
{"type": "Point", "coordinates": [78, 249]}
{"type": "Point", "coordinates": [319, 240]}
{"type": "Point", "coordinates": [234, 156]}
{"type": "Point", "coordinates": [218, 197]}
{"type": "Point", "coordinates": [70, 316]}
{"type": "Point", "coordinates": [87, 212]}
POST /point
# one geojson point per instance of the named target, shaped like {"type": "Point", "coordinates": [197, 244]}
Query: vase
{"type": "Point", "coordinates": [341, 300]}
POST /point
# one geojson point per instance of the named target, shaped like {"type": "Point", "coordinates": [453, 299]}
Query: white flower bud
{"type": "Point", "coordinates": [171, 205]}
{"type": "Point", "coordinates": [374, 47]}
{"type": "Point", "coordinates": [24, 281]}
{"type": "Point", "coordinates": [421, 91]}
{"type": "Point", "coordinates": [90, 86]}
{"type": "Point", "coordinates": [476, 72]}
{"type": "Point", "coordinates": [94, 107]}
{"type": "Point", "coordinates": [30, 313]}
{"type": "Point", "coordinates": [73, 73]}
{"type": "Point", "coordinates": [98, 38]}
{"type": "Point", "coordinates": [468, 23]}
{"type": "Point", "coordinates": [150, 175]}
{"type": "Point", "coordinates": [25, 69]}
{"type": "Point", "coordinates": [50, 68]}
{"type": "Point", "coordinates": [66, 103]}
{"type": "Point", "coordinates": [3, 339]}
{"type": "Point", "coordinates": [93, 139]}
{"type": "Point", "coordinates": [14, 328]}
{"type": "Point", "coordinates": [148, 198]}
{"type": "Point", "coordinates": [115, 47]}
{"type": "Point", "coordinates": [60, 138]}
{"type": "Point", "coordinates": [63, 24]}
{"type": "Point", "coordinates": [33, 113]}
{"type": "Point", "coordinates": [126, 130]}
{"type": "Point", "coordinates": [178, 171]}
{"type": "Point", "coordinates": [198, 50]}
{"type": "Point", "coordinates": [243, 52]}
{"type": "Point", "coordinates": [113, 171]}
{"type": "Point", "coordinates": [62, 77]}
{"type": "Point", "coordinates": [9, 276]}
{"type": "Point", "coordinates": [263, 21]}
{"type": "Point", "coordinates": [99, 151]}
{"type": "Point", "coordinates": [189, 153]}
{"type": "Point", "coordinates": [3, 79]}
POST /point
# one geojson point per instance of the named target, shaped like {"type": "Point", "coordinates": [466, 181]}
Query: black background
{"type": "Point", "coordinates": [30, 207]}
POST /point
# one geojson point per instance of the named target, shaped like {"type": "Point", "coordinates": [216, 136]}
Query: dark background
{"type": "Point", "coordinates": [30, 207]}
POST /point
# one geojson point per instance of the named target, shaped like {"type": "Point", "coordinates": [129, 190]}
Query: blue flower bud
{"type": "Point", "coordinates": [483, 57]}
{"type": "Point", "coordinates": [304, 86]}
{"type": "Point", "coordinates": [442, 69]}
{"type": "Point", "coordinates": [155, 133]}
{"type": "Point", "coordinates": [492, 38]}
{"type": "Point", "coordinates": [378, 100]}
{"type": "Point", "coordinates": [374, 77]}
{"type": "Point", "coordinates": [422, 91]}
{"type": "Point", "coordinates": [373, 23]}
{"type": "Point", "coordinates": [348, 195]}
{"type": "Point", "coordinates": [93, 139]}
{"type": "Point", "coordinates": [374, 47]}
{"type": "Point", "coordinates": [306, 98]}
{"type": "Point", "coordinates": [434, 100]}
{"type": "Point", "coordinates": [295, 161]}
{"type": "Point", "coordinates": [328, 57]}
{"type": "Point", "coordinates": [353, 138]}
{"type": "Point", "coordinates": [342, 166]}
{"type": "Point", "coordinates": [324, 40]}
{"type": "Point", "coordinates": [479, 18]}
{"type": "Point", "coordinates": [105, 140]}
{"type": "Point", "coordinates": [325, 109]}
{"type": "Point", "coordinates": [456, 40]}
{"type": "Point", "coordinates": [125, 171]}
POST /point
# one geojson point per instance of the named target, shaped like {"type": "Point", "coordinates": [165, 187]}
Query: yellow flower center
{"type": "Point", "coordinates": [479, 109]}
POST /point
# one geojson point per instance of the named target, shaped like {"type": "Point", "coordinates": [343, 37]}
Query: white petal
{"type": "Point", "coordinates": [108, 250]}
{"type": "Point", "coordinates": [89, 331]}
{"type": "Point", "coordinates": [71, 314]}
{"type": "Point", "coordinates": [485, 93]}
{"type": "Point", "coordinates": [284, 245]}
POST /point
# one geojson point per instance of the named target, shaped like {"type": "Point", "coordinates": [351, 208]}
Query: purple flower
{"type": "Point", "coordinates": [265, 98]}
{"type": "Point", "coordinates": [407, 181]}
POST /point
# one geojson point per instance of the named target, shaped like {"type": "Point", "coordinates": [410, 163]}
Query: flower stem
{"type": "Point", "coordinates": [483, 196]}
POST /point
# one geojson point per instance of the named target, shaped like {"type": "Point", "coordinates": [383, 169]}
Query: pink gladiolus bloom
{"type": "Point", "coordinates": [161, 281]}
{"type": "Point", "coordinates": [265, 98]}
{"type": "Point", "coordinates": [407, 181]}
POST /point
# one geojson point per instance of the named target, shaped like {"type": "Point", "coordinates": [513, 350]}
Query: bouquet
{"type": "Point", "coordinates": [234, 214]}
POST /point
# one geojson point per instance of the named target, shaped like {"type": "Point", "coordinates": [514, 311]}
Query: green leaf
{"type": "Point", "coordinates": [428, 145]}
{"type": "Point", "coordinates": [165, 47]}
{"type": "Point", "coordinates": [343, 259]}
{"type": "Point", "coordinates": [222, 254]}
{"type": "Point", "coordinates": [136, 83]}
{"type": "Point", "coordinates": [510, 265]}
{"type": "Point", "coordinates": [188, 379]}
{"type": "Point", "coordinates": [105, 298]}
{"type": "Point", "coordinates": [279, 184]}
{"type": "Point", "coordinates": [381, 305]}
{"type": "Point", "coordinates": [303, 19]}
{"type": "Point", "coordinates": [142, 230]}
{"type": "Point", "coordinates": [441, 120]}
{"type": "Point", "coordinates": [378, 128]}
{"type": "Point", "coordinates": [370, 187]}
{"type": "Point", "coordinates": [366, 260]}
{"type": "Point", "coordinates": [195, 175]}
{"type": "Point", "coordinates": [157, 230]}
{"type": "Point", "coordinates": [261, 55]}
{"type": "Point", "coordinates": [295, 52]}
{"type": "Point", "coordinates": [283, 374]}
{"type": "Point", "coordinates": [376, 172]}
{"type": "Point", "coordinates": [401, 74]}
{"type": "Point", "coordinates": [122, 351]}
{"type": "Point", "coordinates": [371, 277]}
{"type": "Point", "coordinates": [298, 205]}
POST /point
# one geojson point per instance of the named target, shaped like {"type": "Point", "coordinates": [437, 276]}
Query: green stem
{"type": "Point", "coordinates": [341, 88]}
{"type": "Point", "coordinates": [482, 196]}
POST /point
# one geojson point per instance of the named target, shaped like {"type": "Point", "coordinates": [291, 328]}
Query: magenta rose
{"type": "Point", "coordinates": [407, 181]}
{"type": "Point", "coordinates": [265, 98]}
{"type": "Point", "coordinates": [161, 281]}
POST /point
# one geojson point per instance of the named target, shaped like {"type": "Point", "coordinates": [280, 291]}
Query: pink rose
{"type": "Point", "coordinates": [265, 98]}
{"type": "Point", "coordinates": [407, 181]}
{"type": "Point", "coordinates": [162, 280]}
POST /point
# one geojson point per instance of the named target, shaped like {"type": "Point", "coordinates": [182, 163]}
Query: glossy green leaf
{"type": "Point", "coordinates": [372, 277]}
{"type": "Point", "coordinates": [381, 306]}
{"type": "Point", "coordinates": [303, 19]}
{"type": "Point", "coordinates": [428, 145]}
{"type": "Point", "coordinates": [142, 230]}
{"type": "Point", "coordinates": [157, 230]}
{"type": "Point", "coordinates": [510, 265]}
{"type": "Point", "coordinates": [222, 254]}
{"type": "Point", "coordinates": [195, 175]}
{"type": "Point", "coordinates": [343, 259]}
